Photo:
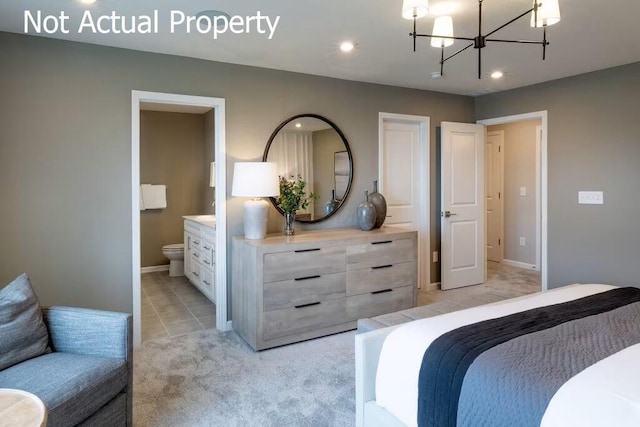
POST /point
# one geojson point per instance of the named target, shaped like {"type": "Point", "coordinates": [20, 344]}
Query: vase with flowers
{"type": "Point", "coordinates": [293, 197]}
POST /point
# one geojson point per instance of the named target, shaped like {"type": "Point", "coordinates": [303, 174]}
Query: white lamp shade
{"type": "Point", "coordinates": [443, 26]}
{"type": "Point", "coordinates": [255, 179]}
{"type": "Point", "coordinates": [548, 13]}
{"type": "Point", "coordinates": [414, 8]}
{"type": "Point", "coordinates": [212, 175]}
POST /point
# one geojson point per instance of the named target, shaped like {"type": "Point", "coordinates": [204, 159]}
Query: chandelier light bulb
{"type": "Point", "coordinates": [414, 8]}
{"type": "Point", "coordinates": [443, 26]}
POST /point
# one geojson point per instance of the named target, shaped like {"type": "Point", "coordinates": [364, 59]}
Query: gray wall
{"type": "Point", "coordinates": [519, 216]}
{"type": "Point", "coordinates": [593, 144]}
{"type": "Point", "coordinates": [171, 153]}
{"type": "Point", "coordinates": [65, 161]}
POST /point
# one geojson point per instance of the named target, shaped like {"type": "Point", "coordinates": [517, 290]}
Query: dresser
{"type": "Point", "coordinates": [316, 283]}
{"type": "Point", "coordinates": [200, 255]}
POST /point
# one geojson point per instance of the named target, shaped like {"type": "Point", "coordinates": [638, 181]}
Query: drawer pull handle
{"type": "Point", "coordinates": [206, 283]}
{"type": "Point", "coordinates": [197, 255]}
{"type": "Point", "coordinates": [382, 291]}
{"type": "Point", "coordinates": [196, 274]}
{"type": "Point", "coordinates": [206, 262]}
{"type": "Point", "coordinates": [382, 242]}
{"type": "Point", "coordinates": [206, 247]}
{"type": "Point", "coordinates": [196, 242]}
{"type": "Point", "coordinates": [382, 266]}
{"type": "Point", "coordinates": [307, 250]}
{"type": "Point", "coordinates": [307, 278]}
{"type": "Point", "coordinates": [307, 305]}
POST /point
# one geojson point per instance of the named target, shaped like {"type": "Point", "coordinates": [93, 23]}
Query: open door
{"type": "Point", "coordinates": [462, 201]}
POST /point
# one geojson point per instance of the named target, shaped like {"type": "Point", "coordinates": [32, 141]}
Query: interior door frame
{"type": "Point", "coordinates": [424, 223]}
{"type": "Point", "coordinates": [219, 142]}
{"type": "Point", "coordinates": [541, 166]}
{"type": "Point", "coordinates": [501, 190]}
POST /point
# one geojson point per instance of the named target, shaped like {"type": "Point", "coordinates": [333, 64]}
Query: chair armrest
{"type": "Point", "coordinates": [89, 332]}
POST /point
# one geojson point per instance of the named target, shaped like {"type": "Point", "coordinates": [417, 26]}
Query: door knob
{"type": "Point", "coordinates": [447, 214]}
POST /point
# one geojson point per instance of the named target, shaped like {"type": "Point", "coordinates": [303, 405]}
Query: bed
{"type": "Point", "coordinates": [601, 388]}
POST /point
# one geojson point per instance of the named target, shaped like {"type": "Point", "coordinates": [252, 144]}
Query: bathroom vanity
{"type": "Point", "coordinates": [200, 253]}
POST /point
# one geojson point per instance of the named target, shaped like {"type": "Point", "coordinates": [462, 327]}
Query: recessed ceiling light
{"type": "Point", "coordinates": [87, 1]}
{"type": "Point", "coordinates": [346, 46]}
{"type": "Point", "coordinates": [497, 74]}
{"type": "Point", "coordinates": [298, 125]}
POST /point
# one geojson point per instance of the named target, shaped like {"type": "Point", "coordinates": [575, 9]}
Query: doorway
{"type": "Point", "coordinates": [181, 103]}
{"type": "Point", "coordinates": [516, 200]}
{"type": "Point", "coordinates": [403, 178]}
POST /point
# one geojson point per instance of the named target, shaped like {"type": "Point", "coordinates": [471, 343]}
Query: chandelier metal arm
{"type": "Point", "coordinates": [480, 41]}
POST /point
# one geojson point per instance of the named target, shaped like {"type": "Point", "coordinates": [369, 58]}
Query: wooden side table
{"type": "Point", "coordinates": [19, 408]}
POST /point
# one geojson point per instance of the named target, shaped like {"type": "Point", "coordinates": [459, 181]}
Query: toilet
{"type": "Point", "coordinates": [175, 253]}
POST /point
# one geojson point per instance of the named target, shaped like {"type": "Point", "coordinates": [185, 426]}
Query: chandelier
{"type": "Point", "coordinates": [543, 13]}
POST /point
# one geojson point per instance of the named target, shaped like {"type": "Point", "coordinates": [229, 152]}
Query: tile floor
{"type": "Point", "coordinates": [172, 306]}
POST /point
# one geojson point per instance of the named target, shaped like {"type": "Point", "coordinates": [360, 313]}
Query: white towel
{"type": "Point", "coordinates": [142, 207]}
{"type": "Point", "coordinates": [154, 196]}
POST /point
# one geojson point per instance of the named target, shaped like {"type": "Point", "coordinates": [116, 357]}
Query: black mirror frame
{"type": "Point", "coordinates": [348, 149]}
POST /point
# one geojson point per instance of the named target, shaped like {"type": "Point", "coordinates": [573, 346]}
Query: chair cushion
{"type": "Point", "coordinates": [24, 334]}
{"type": "Point", "coordinates": [71, 386]}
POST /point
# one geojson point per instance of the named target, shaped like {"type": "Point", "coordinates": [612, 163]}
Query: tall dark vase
{"type": "Point", "coordinates": [332, 204]}
{"type": "Point", "coordinates": [366, 213]}
{"type": "Point", "coordinates": [380, 204]}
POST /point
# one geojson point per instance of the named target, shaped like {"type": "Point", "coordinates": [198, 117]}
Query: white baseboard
{"type": "Point", "coordinates": [154, 268]}
{"type": "Point", "coordinates": [519, 264]}
{"type": "Point", "coordinates": [433, 286]}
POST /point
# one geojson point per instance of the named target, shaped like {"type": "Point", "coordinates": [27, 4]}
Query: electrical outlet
{"type": "Point", "coordinates": [435, 256]}
{"type": "Point", "coordinates": [523, 191]}
{"type": "Point", "coordinates": [590, 197]}
{"type": "Point", "coordinates": [523, 241]}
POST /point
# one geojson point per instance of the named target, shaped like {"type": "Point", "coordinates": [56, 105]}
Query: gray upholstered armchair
{"type": "Point", "coordinates": [87, 378]}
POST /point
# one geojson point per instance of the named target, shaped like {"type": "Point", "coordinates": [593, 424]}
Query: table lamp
{"type": "Point", "coordinates": [256, 180]}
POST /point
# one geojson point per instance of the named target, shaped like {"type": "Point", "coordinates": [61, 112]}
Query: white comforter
{"type": "Point", "coordinates": [403, 349]}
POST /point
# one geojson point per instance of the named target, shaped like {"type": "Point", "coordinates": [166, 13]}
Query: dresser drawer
{"type": "Point", "coordinates": [382, 252]}
{"type": "Point", "coordinates": [380, 277]}
{"type": "Point", "coordinates": [303, 263]}
{"type": "Point", "coordinates": [305, 290]}
{"type": "Point", "coordinates": [300, 319]}
{"type": "Point", "coordinates": [380, 302]}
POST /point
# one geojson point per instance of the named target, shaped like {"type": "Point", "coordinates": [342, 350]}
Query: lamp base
{"type": "Point", "coordinates": [255, 215]}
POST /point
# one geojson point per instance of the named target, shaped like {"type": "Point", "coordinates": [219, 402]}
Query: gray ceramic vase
{"type": "Point", "coordinates": [380, 203]}
{"type": "Point", "coordinates": [332, 204]}
{"type": "Point", "coordinates": [366, 214]}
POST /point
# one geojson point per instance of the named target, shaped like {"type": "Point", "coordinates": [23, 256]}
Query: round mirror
{"type": "Point", "coordinates": [312, 147]}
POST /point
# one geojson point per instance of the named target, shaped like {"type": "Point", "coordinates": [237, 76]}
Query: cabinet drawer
{"type": "Point", "coordinates": [381, 302]}
{"type": "Point", "coordinates": [382, 252]}
{"type": "Point", "coordinates": [208, 282]}
{"type": "Point", "coordinates": [303, 263]}
{"type": "Point", "coordinates": [380, 277]}
{"type": "Point", "coordinates": [195, 253]}
{"type": "Point", "coordinates": [303, 290]}
{"type": "Point", "coordinates": [288, 321]}
{"type": "Point", "coordinates": [207, 256]}
{"type": "Point", "coordinates": [192, 227]}
{"type": "Point", "coordinates": [209, 234]}
{"type": "Point", "coordinates": [196, 270]}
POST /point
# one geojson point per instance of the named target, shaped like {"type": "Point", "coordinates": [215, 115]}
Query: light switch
{"type": "Point", "coordinates": [523, 191]}
{"type": "Point", "coordinates": [590, 197]}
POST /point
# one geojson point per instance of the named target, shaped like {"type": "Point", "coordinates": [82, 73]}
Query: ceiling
{"type": "Point", "coordinates": [592, 35]}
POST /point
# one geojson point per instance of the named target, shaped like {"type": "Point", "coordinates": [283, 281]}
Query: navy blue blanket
{"type": "Point", "coordinates": [448, 358]}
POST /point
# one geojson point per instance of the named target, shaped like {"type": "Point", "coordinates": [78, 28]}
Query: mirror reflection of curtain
{"type": "Point", "coordinates": [293, 152]}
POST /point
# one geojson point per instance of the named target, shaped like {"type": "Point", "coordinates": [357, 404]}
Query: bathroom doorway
{"type": "Point", "coordinates": [214, 110]}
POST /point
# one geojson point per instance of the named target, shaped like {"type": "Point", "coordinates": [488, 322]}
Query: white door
{"type": "Point", "coordinates": [400, 173]}
{"type": "Point", "coordinates": [493, 194]}
{"type": "Point", "coordinates": [462, 222]}
{"type": "Point", "coordinates": [403, 178]}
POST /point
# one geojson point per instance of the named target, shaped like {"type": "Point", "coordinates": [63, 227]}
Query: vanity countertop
{"type": "Point", "coordinates": [208, 220]}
